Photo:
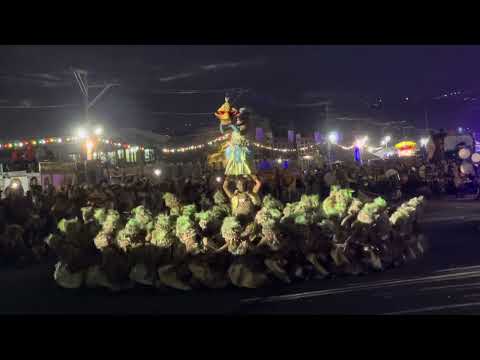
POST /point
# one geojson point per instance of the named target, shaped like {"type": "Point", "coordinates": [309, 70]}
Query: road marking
{"type": "Point", "coordinates": [362, 287]}
{"type": "Point", "coordinates": [434, 308]}
{"type": "Point", "coordinates": [461, 268]}
{"type": "Point", "coordinates": [458, 286]}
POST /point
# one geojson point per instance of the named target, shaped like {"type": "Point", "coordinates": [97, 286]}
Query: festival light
{"type": "Point", "coordinates": [333, 137]}
{"type": "Point", "coordinates": [82, 133]}
{"type": "Point", "coordinates": [424, 141]}
{"type": "Point", "coordinates": [361, 142]}
{"type": "Point", "coordinates": [386, 140]}
{"type": "Point", "coordinates": [406, 148]}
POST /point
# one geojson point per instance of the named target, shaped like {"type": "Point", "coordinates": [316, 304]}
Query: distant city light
{"type": "Point", "coordinates": [98, 131]}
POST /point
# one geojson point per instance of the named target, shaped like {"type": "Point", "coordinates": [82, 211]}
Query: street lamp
{"type": "Point", "coordinates": [361, 142]}
{"type": "Point", "coordinates": [332, 139]}
{"type": "Point", "coordinates": [386, 140]}
{"type": "Point", "coordinates": [82, 133]}
{"type": "Point", "coordinates": [90, 135]}
{"type": "Point", "coordinates": [423, 143]}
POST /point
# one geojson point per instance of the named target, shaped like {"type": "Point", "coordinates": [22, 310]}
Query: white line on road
{"type": "Point", "coordinates": [434, 308]}
{"type": "Point", "coordinates": [370, 286]}
{"type": "Point", "coordinates": [461, 268]}
{"type": "Point", "coordinates": [458, 286]}
{"type": "Point", "coordinates": [462, 218]}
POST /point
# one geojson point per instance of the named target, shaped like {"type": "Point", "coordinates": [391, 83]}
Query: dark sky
{"type": "Point", "coordinates": [159, 84]}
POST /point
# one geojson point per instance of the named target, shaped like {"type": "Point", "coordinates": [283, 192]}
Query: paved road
{"type": "Point", "coordinates": [446, 280]}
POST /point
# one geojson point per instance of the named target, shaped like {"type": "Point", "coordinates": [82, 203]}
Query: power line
{"type": "Point", "coordinates": [178, 113]}
{"type": "Point", "coordinates": [34, 107]}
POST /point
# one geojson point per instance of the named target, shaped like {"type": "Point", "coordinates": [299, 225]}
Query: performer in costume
{"type": "Point", "coordinates": [226, 113]}
{"type": "Point", "coordinates": [238, 156]}
{"type": "Point", "coordinates": [237, 153]}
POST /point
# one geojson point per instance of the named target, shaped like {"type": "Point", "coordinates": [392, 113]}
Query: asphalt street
{"type": "Point", "coordinates": [446, 280]}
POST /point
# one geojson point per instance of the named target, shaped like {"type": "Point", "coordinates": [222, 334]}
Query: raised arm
{"type": "Point", "coordinates": [258, 184]}
{"type": "Point", "coordinates": [227, 191]}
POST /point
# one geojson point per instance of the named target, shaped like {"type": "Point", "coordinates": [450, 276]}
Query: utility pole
{"type": "Point", "coordinates": [82, 80]}
{"type": "Point", "coordinates": [81, 76]}
{"type": "Point", "coordinates": [426, 118]}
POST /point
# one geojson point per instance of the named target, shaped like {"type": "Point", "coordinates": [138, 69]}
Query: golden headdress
{"type": "Point", "coordinates": [226, 113]}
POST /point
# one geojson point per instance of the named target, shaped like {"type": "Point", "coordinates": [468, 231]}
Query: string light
{"type": "Point", "coordinates": [182, 149]}
{"type": "Point", "coordinates": [58, 140]}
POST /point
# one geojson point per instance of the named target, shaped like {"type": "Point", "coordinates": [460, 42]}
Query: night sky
{"type": "Point", "coordinates": [166, 88]}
